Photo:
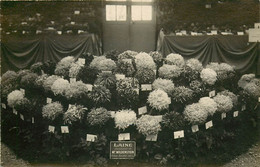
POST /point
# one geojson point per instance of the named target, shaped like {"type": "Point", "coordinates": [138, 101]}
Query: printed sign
{"type": "Point", "coordinates": [235, 114]}
{"type": "Point", "coordinates": [240, 33]}
{"type": "Point", "coordinates": [142, 110]}
{"type": "Point", "coordinates": [107, 72]}
{"type": "Point", "coordinates": [124, 136]}
{"type": "Point", "coordinates": [49, 100]}
{"type": "Point", "coordinates": [209, 124]}
{"type": "Point", "coordinates": [91, 138]}
{"type": "Point", "coordinates": [51, 129]}
{"type": "Point", "coordinates": [14, 111]}
{"type": "Point", "coordinates": [146, 87]}
{"type": "Point", "coordinates": [22, 117]}
{"type": "Point", "coordinates": [223, 115]}
{"type": "Point", "coordinates": [76, 12]}
{"type": "Point", "coordinates": [194, 128]}
{"type": "Point", "coordinates": [214, 32]}
{"type": "Point", "coordinates": [120, 76]}
{"type": "Point", "coordinates": [89, 86]}
{"type": "Point", "coordinates": [212, 93]}
{"type": "Point", "coordinates": [73, 80]}
{"type": "Point", "coordinates": [122, 149]}
{"type": "Point", "coordinates": [178, 134]}
{"type": "Point", "coordinates": [254, 35]}
{"type": "Point", "coordinates": [64, 129]}
{"type": "Point", "coordinates": [151, 137]}
{"type": "Point", "coordinates": [3, 106]}
{"type": "Point", "coordinates": [179, 34]}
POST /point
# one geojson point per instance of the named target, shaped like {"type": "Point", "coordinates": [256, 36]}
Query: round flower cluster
{"type": "Point", "coordinates": [181, 94]}
{"type": "Point", "coordinates": [112, 54]}
{"type": "Point", "coordinates": [63, 66]}
{"type": "Point", "coordinates": [52, 110]}
{"type": "Point", "coordinates": [14, 98]}
{"type": "Point", "coordinates": [173, 120]}
{"type": "Point", "coordinates": [95, 62]}
{"type": "Point", "coordinates": [145, 75]}
{"type": "Point", "coordinates": [100, 95]}
{"type": "Point", "coordinates": [144, 60]}
{"type": "Point", "coordinates": [233, 97]}
{"type": "Point", "coordinates": [98, 116]}
{"type": "Point", "coordinates": [76, 90]}
{"type": "Point", "coordinates": [127, 54]}
{"type": "Point", "coordinates": [125, 67]}
{"type": "Point", "coordinates": [157, 57]}
{"type": "Point", "coordinates": [48, 82]}
{"type": "Point", "coordinates": [37, 68]}
{"type": "Point", "coordinates": [73, 114]}
{"type": "Point", "coordinates": [169, 71]}
{"type": "Point", "coordinates": [209, 105]}
{"type": "Point", "coordinates": [28, 80]}
{"type": "Point", "coordinates": [197, 86]}
{"type": "Point", "coordinates": [125, 118]}
{"type": "Point", "coordinates": [164, 84]}
{"type": "Point", "coordinates": [9, 77]}
{"type": "Point", "coordinates": [22, 73]}
{"type": "Point", "coordinates": [148, 125]}
{"type": "Point", "coordinates": [245, 79]}
{"type": "Point", "coordinates": [106, 65]}
{"type": "Point", "coordinates": [192, 69]}
{"type": "Point", "coordinates": [208, 76]}
{"type": "Point", "coordinates": [195, 113]}
{"type": "Point", "coordinates": [74, 69]}
{"type": "Point", "coordinates": [49, 67]}
{"type": "Point", "coordinates": [224, 103]}
{"type": "Point", "coordinates": [88, 57]}
{"type": "Point", "coordinates": [60, 86]}
{"type": "Point", "coordinates": [87, 74]}
{"type": "Point", "coordinates": [175, 59]}
{"type": "Point", "coordinates": [224, 71]}
{"type": "Point", "coordinates": [252, 90]}
{"type": "Point", "coordinates": [159, 100]}
{"type": "Point", "coordinates": [40, 80]}
{"type": "Point", "coordinates": [106, 79]}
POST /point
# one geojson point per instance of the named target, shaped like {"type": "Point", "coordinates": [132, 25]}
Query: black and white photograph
{"type": "Point", "coordinates": [130, 83]}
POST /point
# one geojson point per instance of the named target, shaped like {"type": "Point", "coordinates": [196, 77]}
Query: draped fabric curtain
{"type": "Point", "coordinates": [234, 50]}
{"type": "Point", "coordinates": [21, 52]}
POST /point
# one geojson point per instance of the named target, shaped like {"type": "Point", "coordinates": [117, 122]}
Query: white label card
{"type": "Point", "coordinates": [235, 114]}
{"type": "Point", "coordinates": [155, 72]}
{"type": "Point", "coordinates": [120, 76]}
{"type": "Point", "coordinates": [142, 110]}
{"type": "Point", "coordinates": [22, 117]}
{"type": "Point", "coordinates": [195, 128]}
{"type": "Point", "coordinates": [3, 106]}
{"type": "Point", "coordinates": [243, 107]}
{"type": "Point", "coordinates": [240, 33]}
{"type": "Point", "coordinates": [259, 99]}
{"type": "Point", "coordinates": [223, 115]}
{"type": "Point", "coordinates": [91, 138]}
{"type": "Point", "coordinates": [209, 124]}
{"type": "Point", "coordinates": [76, 12]}
{"type": "Point", "coordinates": [107, 72]}
{"type": "Point", "coordinates": [179, 134]}
{"type": "Point", "coordinates": [82, 61]}
{"type": "Point", "coordinates": [151, 137]}
{"type": "Point", "coordinates": [146, 87]}
{"type": "Point", "coordinates": [89, 86]}
{"type": "Point", "coordinates": [14, 111]}
{"type": "Point", "coordinates": [73, 80]}
{"type": "Point", "coordinates": [214, 32]}
{"type": "Point", "coordinates": [51, 129]}
{"type": "Point", "coordinates": [33, 121]}
{"type": "Point", "coordinates": [124, 136]}
{"type": "Point", "coordinates": [212, 93]}
{"type": "Point", "coordinates": [49, 100]}
{"type": "Point", "coordinates": [64, 129]}
{"type": "Point", "coordinates": [23, 91]}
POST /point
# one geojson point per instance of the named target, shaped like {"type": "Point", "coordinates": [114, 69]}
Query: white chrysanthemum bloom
{"type": "Point", "coordinates": [125, 118]}
{"type": "Point", "coordinates": [74, 69]}
{"type": "Point", "coordinates": [144, 60]}
{"type": "Point", "coordinates": [60, 86]}
{"type": "Point", "coordinates": [41, 79]}
{"type": "Point", "coordinates": [224, 103]}
{"type": "Point", "coordinates": [158, 99]}
{"type": "Point", "coordinates": [208, 76]}
{"type": "Point", "coordinates": [175, 59]}
{"type": "Point", "coordinates": [63, 66]}
{"type": "Point", "coordinates": [231, 95]}
{"type": "Point", "coordinates": [214, 66]}
{"type": "Point", "coordinates": [209, 105]}
{"type": "Point", "coordinates": [127, 55]}
{"type": "Point", "coordinates": [252, 89]}
{"type": "Point", "coordinates": [148, 125]}
{"type": "Point", "coordinates": [194, 64]}
{"type": "Point", "coordinates": [48, 82]}
{"type": "Point", "coordinates": [73, 114]}
{"type": "Point", "coordinates": [14, 98]}
{"type": "Point", "coordinates": [52, 110]}
{"type": "Point", "coordinates": [76, 90]}
{"type": "Point", "coordinates": [164, 84]}
{"type": "Point", "coordinates": [106, 65]}
{"type": "Point", "coordinates": [245, 79]}
{"type": "Point", "coordinates": [169, 71]}
{"type": "Point", "coordinates": [226, 67]}
{"type": "Point", "coordinates": [95, 62]}
{"type": "Point", "coordinates": [195, 113]}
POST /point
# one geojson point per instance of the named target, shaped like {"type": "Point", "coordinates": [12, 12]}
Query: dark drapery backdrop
{"type": "Point", "coordinates": [232, 49]}
{"type": "Point", "coordinates": [22, 52]}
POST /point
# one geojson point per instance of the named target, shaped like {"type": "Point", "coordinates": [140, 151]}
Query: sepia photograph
{"type": "Point", "coordinates": [130, 83]}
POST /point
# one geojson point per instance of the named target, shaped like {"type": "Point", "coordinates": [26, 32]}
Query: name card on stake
{"type": "Point", "coordinates": [178, 134]}
{"type": "Point", "coordinates": [22, 117]}
{"type": "Point", "coordinates": [3, 106]}
{"type": "Point", "coordinates": [243, 108]}
{"type": "Point", "coordinates": [146, 87]}
{"type": "Point", "coordinates": [235, 114]}
{"type": "Point", "coordinates": [51, 129]}
{"type": "Point", "coordinates": [76, 12]}
{"type": "Point", "coordinates": [49, 100]}
{"type": "Point", "coordinates": [91, 138]}
{"type": "Point", "coordinates": [240, 33]}
{"type": "Point", "coordinates": [142, 110]}
{"type": "Point", "coordinates": [120, 76]}
{"type": "Point", "coordinates": [223, 115]}
{"type": "Point", "coordinates": [209, 124]}
{"type": "Point", "coordinates": [72, 80]}
{"type": "Point", "coordinates": [212, 93]}
{"type": "Point", "coordinates": [14, 111]}
{"type": "Point", "coordinates": [33, 121]}
{"type": "Point", "coordinates": [194, 128]}
{"type": "Point", "coordinates": [152, 137]}
{"type": "Point", "coordinates": [64, 129]}
{"type": "Point", "coordinates": [89, 86]}
{"type": "Point", "coordinates": [124, 136]}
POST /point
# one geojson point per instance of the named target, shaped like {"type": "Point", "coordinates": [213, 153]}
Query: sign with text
{"type": "Point", "coordinates": [51, 129]}
{"type": "Point", "coordinates": [91, 138]}
{"type": "Point", "coordinates": [120, 76]}
{"type": "Point", "coordinates": [178, 134]}
{"type": "Point", "coordinates": [254, 35]}
{"type": "Point", "coordinates": [89, 86]}
{"type": "Point", "coordinates": [195, 128]}
{"type": "Point", "coordinates": [49, 100]}
{"type": "Point", "coordinates": [124, 136]}
{"type": "Point", "coordinates": [64, 129]}
{"type": "Point", "coordinates": [146, 87]}
{"type": "Point", "coordinates": [235, 114]}
{"type": "Point", "coordinates": [142, 110]}
{"type": "Point", "coordinates": [152, 137]}
{"type": "Point", "coordinates": [122, 149]}
{"type": "Point", "coordinates": [208, 124]}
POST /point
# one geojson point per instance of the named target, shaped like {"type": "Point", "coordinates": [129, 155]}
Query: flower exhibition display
{"type": "Point", "coordinates": [174, 109]}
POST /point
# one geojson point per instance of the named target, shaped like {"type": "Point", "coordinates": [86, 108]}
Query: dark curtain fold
{"type": "Point", "coordinates": [21, 52]}
{"type": "Point", "coordinates": [234, 50]}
